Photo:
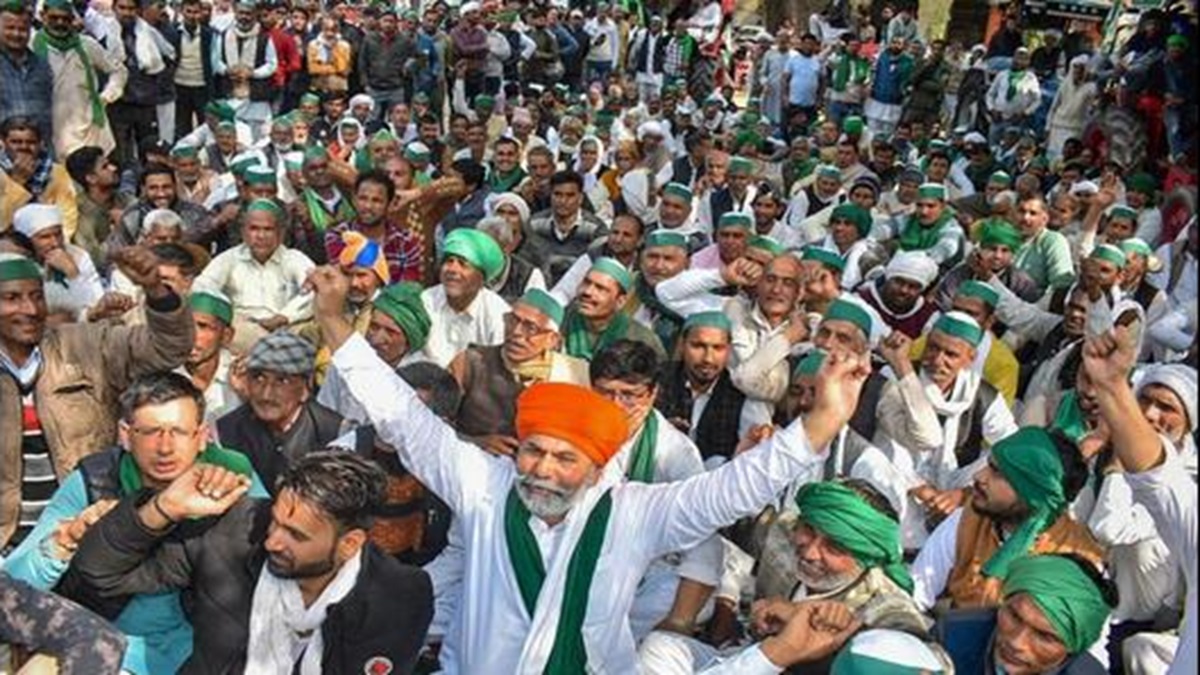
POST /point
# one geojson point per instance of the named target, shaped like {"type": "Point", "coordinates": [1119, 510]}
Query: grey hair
{"type": "Point", "coordinates": [162, 218]}
{"type": "Point", "coordinates": [498, 228]}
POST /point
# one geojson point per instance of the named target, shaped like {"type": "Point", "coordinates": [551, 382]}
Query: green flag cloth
{"type": "Point", "coordinates": [568, 654]}
{"type": "Point", "coordinates": [641, 464]}
{"type": "Point", "coordinates": [579, 339]}
{"type": "Point", "coordinates": [1068, 597]}
{"type": "Point", "coordinates": [130, 477]}
{"type": "Point", "coordinates": [41, 44]}
{"type": "Point", "coordinates": [1029, 461]}
{"type": "Point", "coordinates": [1069, 417]}
{"type": "Point", "coordinates": [871, 537]}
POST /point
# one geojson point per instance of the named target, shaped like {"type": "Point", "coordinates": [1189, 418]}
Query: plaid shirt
{"type": "Point", "coordinates": [678, 53]}
{"type": "Point", "coordinates": [400, 248]}
{"type": "Point", "coordinates": [25, 90]}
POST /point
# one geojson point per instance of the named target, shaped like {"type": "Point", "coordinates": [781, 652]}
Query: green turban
{"type": "Point", "coordinates": [1029, 461]}
{"type": "Point", "coordinates": [14, 267]}
{"type": "Point", "coordinates": [478, 249]}
{"type": "Point", "coordinates": [871, 537]}
{"type": "Point", "coordinates": [213, 304]}
{"type": "Point", "coordinates": [999, 232]}
{"type": "Point", "coordinates": [961, 326]}
{"type": "Point", "coordinates": [1143, 183]}
{"type": "Point", "coordinates": [810, 365]}
{"type": "Point", "coordinates": [765, 243]}
{"type": "Point", "coordinates": [848, 311]}
{"type": "Point", "coordinates": [544, 303]}
{"type": "Point", "coordinates": [402, 303]}
{"type": "Point", "coordinates": [1070, 599]}
{"type": "Point", "coordinates": [610, 267]}
{"type": "Point", "coordinates": [855, 214]}
{"type": "Point", "coordinates": [831, 260]}
{"type": "Point", "coordinates": [716, 320]}
{"type": "Point", "coordinates": [1109, 253]}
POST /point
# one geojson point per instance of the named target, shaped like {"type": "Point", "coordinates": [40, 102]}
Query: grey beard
{"type": "Point", "coordinates": [827, 584]}
{"type": "Point", "coordinates": [546, 507]}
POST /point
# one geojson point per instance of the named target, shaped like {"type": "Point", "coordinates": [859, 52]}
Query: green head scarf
{"type": "Point", "coordinates": [402, 303]}
{"type": "Point", "coordinates": [999, 232]}
{"type": "Point", "coordinates": [871, 537]}
{"type": "Point", "coordinates": [1069, 598]}
{"type": "Point", "coordinates": [855, 214]}
{"type": "Point", "coordinates": [1029, 461]}
{"type": "Point", "coordinates": [478, 249]}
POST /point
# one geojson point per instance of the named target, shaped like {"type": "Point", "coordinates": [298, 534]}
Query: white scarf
{"type": "Point", "coordinates": [243, 55]}
{"type": "Point", "coordinates": [145, 47]}
{"type": "Point", "coordinates": [278, 618]}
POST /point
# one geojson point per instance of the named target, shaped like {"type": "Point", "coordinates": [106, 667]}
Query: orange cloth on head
{"type": "Point", "coordinates": [596, 426]}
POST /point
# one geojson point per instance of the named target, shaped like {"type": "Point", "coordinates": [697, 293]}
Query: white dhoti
{"type": "Point", "coordinates": [664, 653]}
{"type": "Point", "coordinates": [882, 118]}
{"type": "Point", "coordinates": [1058, 137]}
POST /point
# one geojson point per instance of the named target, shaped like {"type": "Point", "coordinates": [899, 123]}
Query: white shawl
{"type": "Point", "coordinates": [146, 46]}
{"type": "Point", "coordinates": [279, 620]}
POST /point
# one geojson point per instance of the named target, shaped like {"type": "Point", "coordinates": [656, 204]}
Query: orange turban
{"type": "Point", "coordinates": [593, 424]}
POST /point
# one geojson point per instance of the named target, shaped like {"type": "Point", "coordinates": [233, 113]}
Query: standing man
{"type": "Point", "coordinates": [647, 55]}
{"type": "Point", "coordinates": [386, 63]}
{"type": "Point", "coordinates": [134, 116]}
{"type": "Point", "coordinates": [1014, 96]}
{"type": "Point", "coordinates": [27, 81]}
{"type": "Point", "coordinates": [802, 76]}
{"type": "Point", "coordinates": [77, 62]}
{"type": "Point", "coordinates": [893, 69]}
{"type": "Point", "coordinates": [193, 72]}
{"type": "Point", "coordinates": [245, 64]}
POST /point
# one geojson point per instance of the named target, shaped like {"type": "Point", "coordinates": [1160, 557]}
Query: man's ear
{"type": "Point", "coordinates": [349, 544]}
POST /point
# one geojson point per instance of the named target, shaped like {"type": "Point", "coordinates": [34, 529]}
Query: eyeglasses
{"type": "Point", "coordinates": [624, 397]}
{"type": "Point", "coordinates": [176, 433]}
{"type": "Point", "coordinates": [518, 326]}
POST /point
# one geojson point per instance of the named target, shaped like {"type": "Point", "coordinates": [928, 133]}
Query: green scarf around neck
{"type": "Point", "coordinates": [666, 323]}
{"type": "Point", "coordinates": [131, 479]}
{"type": "Point", "coordinates": [41, 44]}
{"type": "Point", "coordinates": [579, 338]}
{"type": "Point", "coordinates": [569, 654]}
{"type": "Point", "coordinates": [1014, 78]}
{"type": "Point", "coordinates": [1069, 417]}
{"type": "Point", "coordinates": [849, 69]}
{"type": "Point", "coordinates": [641, 464]}
{"type": "Point", "coordinates": [322, 220]}
{"type": "Point", "coordinates": [917, 237]}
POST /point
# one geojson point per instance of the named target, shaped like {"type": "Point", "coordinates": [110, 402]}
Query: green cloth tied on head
{"type": "Point", "coordinates": [829, 171]}
{"type": "Point", "coordinates": [1066, 594]}
{"type": "Point", "coordinates": [860, 217]}
{"type": "Point", "coordinates": [932, 191]}
{"type": "Point", "coordinates": [612, 268]}
{"type": "Point", "coordinates": [765, 243]}
{"type": "Point", "coordinates": [740, 166]}
{"type": "Point", "coordinates": [222, 111]}
{"type": "Point", "coordinates": [259, 175]}
{"type": "Point", "coordinates": [961, 326]}
{"type": "Point", "coordinates": [712, 319]}
{"type": "Point", "coordinates": [1123, 211]}
{"type": "Point", "coordinates": [678, 190]}
{"type": "Point", "coordinates": [544, 303]}
{"type": "Point", "coordinates": [476, 248]}
{"type": "Point", "coordinates": [829, 259]}
{"type": "Point", "coordinates": [310, 99]}
{"type": "Point", "coordinates": [267, 206]}
{"type": "Point", "coordinates": [660, 238]}
{"type": "Point", "coordinates": [1109, 253]}
{"type": "Point", "coordinates": [315, 152]}
{"type": "Point", "coordinates": [1177, 41]}
{"type": "Point", "coordinates": [843, 516]}
{"type": "Point", "coordinates": [735, 219]}
{"type": "Point", "coordinates": [845, 310]}
{"type": "Point", "coordinates": [1142, 182]}
{"type": "Point", "coordinates": [999, 232]}
{"type": "Point", "coordinates": [15, 267]}
{"type": "Point", "coordinates": [977, 289]}
{"type": "Point", "coordinates": [484, 101]}
{"type": "Point", "coordinates": [1000, 178]}
{"type": "Point", "coordinates": [402, 303]}
{"type": "Point", "coordinates": [1137, 247]}
{"type": "Point", "coordinates": [853, 125]}
{"type": "Point", "coordinates": [810, 364]}
{"type": "Point", "coordinates": [1029, 461]}
{"type": "Point", "coordinates": [185, 152]}
{"type": "Point", "coordinates": [212, 304]}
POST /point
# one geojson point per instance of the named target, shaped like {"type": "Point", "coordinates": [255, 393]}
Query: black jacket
{"type": "Point", "coordinates": [270, 454]}
{"type": "Point", "coordinates": [206, 46]}
{"type": "Point", "coordinates": [216, 563]}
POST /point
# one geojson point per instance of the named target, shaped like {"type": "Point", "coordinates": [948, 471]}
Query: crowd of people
{"type": "Point", "coordinates": [514, 337]}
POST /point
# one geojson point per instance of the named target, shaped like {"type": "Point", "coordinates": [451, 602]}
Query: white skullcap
{"type": "Point", "coordinates": [975, 138]}
{"type": "Point", "coordinates": [1178, 378]}
{"type": "Point", "coordinates": [1081, 60]}
{"type": "Point", "coordinates": [361, 99]}
{"type": "Point", "coordinates": [914, 265]}
{"type": "Point", "coordinates": [34, 218]}
{"type": "Point", "coordinates": [650, 128]}
{"type": "Point", "coordinates": [468, 7]}
{"type": "Point", "coordinates": [1084, 187]}
{"type": "Point", "coordinates": [495, 201]}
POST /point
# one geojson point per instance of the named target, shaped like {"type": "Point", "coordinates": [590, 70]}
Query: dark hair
{"type": "Point", "coordinates": [694, 138]}
{"type": "Point", "coordinates": [155, 169]}
{"type": "Point", "coordinates": [627, 361]}
{"type": "Point", "coordinates": [641, 225]}
{"type": "Point", "coordinates": [175, 254]}
{"type": "Point", "coordinates": [542, 150]}
{"type": "Point", "coordinates": [429, 118]}
{"type": "Point", "coordinates": [506, 140]}
{"type": "Point", "coordinates": [445, 395]}
{"type": "Point", "coordinates": [871, 495]}
{"type": "Point", "coordinates": [81, 163]}
{"type": "Point", "coordinates": [347, 487]}
{"type": "Point", "coordinates": [378, 177]}
{"type": "Point", "coordinates": [19, 123]}
{"type": "Point", "coordinates": [157, 389]}
{"type": "Point", "coordinates": [472, 172]}
{"type": "Point", "coordinates": [1075, 469]}
{"type": "Point", "coordinates": [564, 177]}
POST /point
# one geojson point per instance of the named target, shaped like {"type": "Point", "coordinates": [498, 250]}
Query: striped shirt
{"type": "Point", "coordinates": [38, 481]}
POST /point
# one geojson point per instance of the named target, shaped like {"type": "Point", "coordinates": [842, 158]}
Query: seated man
{"type": "Point", "coordinates": [273, 588]}
{"type": "Point", "coordinates": [849, 227]}
{"type": "Point", "coordinates": [697, 395]}
{"type": "Point", "coordinates": [209, 364]}
{"type": "Point", "coordinates": [994, 360]}
{"type": "Point", "coordinates": [29, 175]}
{"type": "Point", "coordinates": [936, 422]}
{"type": "Point", "coordinates": [157, 190]}
{"type": "Point", "coordinates": [932, 229]}
{"type": "Point", "coordinates": [674, 593]}
{"type": "Point", "coordinates": [595, 318]}
{"type": "Point", "coordinates": [280, 422]}
{"type": "Point", "coordinates": [462, 309]}
{"type": "Point", "coordinates": [73, 283]}
{"type": "Point", "coordinates": [664, 256]}
{"type": "Point", "coordinates": [998, 243]}
{"type": "Point", "coordinates": [262, 277]}
{"type": "Point", "coordinates": [493, 377]}
{"type": "Point", "coordinates": [898, 295]}
{"type": "Point", "coordinates": [1022, 493]}
{"type": "Point", "coordinates": [846, 541]}
{"type": "Point", "coordinates": [162, 436]}
{"type": "Point", "coordinates": [53, 626]}
{"type": "Point", "coordinates": [397, 328]}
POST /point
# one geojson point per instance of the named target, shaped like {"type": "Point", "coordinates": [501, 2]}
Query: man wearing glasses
{"type": "Point", "coordinates": [492, 377]}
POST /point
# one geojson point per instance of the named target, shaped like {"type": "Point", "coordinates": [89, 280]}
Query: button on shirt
{"type": "Point", "coordinates": [261, 290]}
{"type": "Point", "coordinates": [804, 79]}
{"type": "Point", "coordinates": [451, 331]}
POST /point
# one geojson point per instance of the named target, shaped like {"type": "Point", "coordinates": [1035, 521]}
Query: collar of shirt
{"type": "Point", "coordinates": [244, 255]}
{"type": "Point", "coordinates": [572, 225]}
{"type": "Point", "coordinates": [27, 374]}
{"type": "Point", "coordinates": [442, 304]}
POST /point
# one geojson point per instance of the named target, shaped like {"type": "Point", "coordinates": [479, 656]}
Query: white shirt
{"type": "Point", "coordinates": [493, 632]}
{"type": "Point", "coordinates": [77, 294]}
{"type": "Point", "coordinates": [450, 332]}
{"type": "Point", "coordinates": [219, 397]}
{"type": "Point", "coordinates": [261, 290]}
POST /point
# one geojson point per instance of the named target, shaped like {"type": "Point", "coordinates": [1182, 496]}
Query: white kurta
{"type": "Point", "coordinates": [450, 331]}
{"type": "Point", "coordinates": [493, 631]}
{"type": "Point", "coordinates": [261, 290]}
{"type": "Point", "coordinates": [72, 108]}
{"type": "Point", "coordinates": [77, 294]}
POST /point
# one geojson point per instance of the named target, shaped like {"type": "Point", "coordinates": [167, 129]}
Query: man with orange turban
{"type": "Point", "coordinates": [554, 546]}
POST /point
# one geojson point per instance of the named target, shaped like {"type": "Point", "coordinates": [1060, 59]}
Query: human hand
{"type": "Point", "coordinates": [498, 444]}
{"type": "Point", "coordinates": [59, 259]}
{"type": "Point", "coordinates": [69, 533]}
{"type": "Point", "coordinates": [757, 434]}
{"type": "Point", "coordinates": [109, 305]}
{"type": "Point", "coordinates": [1109, 358]}
{"type": "Point", "coordinates": [140, 265]}
{"type": "Point", "coordinates": [203, 490]}
{"type": "Point", "coordinates": [769, 615]}
{"type": "Point", "coordinates": [23, 168]}
{"type": "Point", "coordinates": [923, 494]}
{"type": "Point", "coordinates": [896, 349]}
{"type": "Point", "coordinates": [943, 502]}
{"type": "Point", "coordinates": [817, 630]}
{"type": "Point", "coordinates": [741, 272]}
{"type": "Point", "coordinates": [796, 330]}
{"type": "Point", "coordinates": [329, 287]}
{"type": "Point", "coordinates": [272, 323]}
{"type": "Point", "coordinates": [839, 384]}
